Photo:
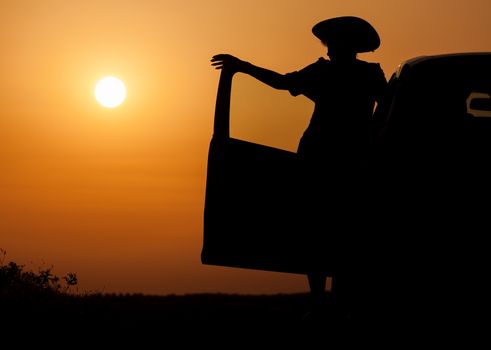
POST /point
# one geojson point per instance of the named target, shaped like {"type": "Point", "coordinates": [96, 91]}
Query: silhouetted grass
{"type": "Point", "coordinates": [44, 300]}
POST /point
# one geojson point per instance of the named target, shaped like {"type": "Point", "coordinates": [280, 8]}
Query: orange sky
{"type": "Point", "coordinates": [117, 195]}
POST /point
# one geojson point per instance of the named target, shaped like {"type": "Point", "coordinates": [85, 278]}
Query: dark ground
{"type": "Point", "coordinates": [209, 319]}
{"type": "Point", "coordinates": [233, 321]}
{"type": "Point", "coordinates": [136, 311]}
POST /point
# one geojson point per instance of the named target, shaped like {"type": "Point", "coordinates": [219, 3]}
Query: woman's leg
{"type": "Point", "coordinates": [317, 284]}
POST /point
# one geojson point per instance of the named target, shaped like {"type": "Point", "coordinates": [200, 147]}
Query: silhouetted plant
{"type": "Point", "coordinates": [14, 281]}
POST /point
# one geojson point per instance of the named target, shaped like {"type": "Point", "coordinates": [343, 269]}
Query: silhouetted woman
{"type": "Point", "coordinates": [344, 90]}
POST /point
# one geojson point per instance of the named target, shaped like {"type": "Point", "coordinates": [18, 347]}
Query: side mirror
{"type": "Point", "coordinates": [481, 104]}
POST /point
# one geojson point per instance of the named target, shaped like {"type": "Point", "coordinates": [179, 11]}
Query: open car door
{"type": "Point", "coordinates": [253, 215]}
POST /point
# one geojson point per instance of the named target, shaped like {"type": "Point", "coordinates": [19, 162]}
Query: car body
{"type": "Point", "coordinates": [430, 172]}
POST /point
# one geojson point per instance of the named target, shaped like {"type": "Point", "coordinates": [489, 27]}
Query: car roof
{"type": "Point", "coordinates": [457, 58]}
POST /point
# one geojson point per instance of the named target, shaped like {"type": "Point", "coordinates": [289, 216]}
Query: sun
{"type": "Point", "coordinates": [110, 92]}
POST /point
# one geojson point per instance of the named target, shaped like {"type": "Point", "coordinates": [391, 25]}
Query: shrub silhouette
{"type": "Point", "coordinates": [16, 282]}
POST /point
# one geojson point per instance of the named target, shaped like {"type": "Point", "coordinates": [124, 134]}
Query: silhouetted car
{"type": "Point", "coordinates": [429, 189]}
{"type": "Point", "coordinates": [427, 178]}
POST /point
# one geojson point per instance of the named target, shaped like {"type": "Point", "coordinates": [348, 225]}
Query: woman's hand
{"type": "Point", "coordinates": [229, 63]}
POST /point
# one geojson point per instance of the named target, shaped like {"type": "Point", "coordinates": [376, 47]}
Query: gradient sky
{"type": "Point", "coordinates": [117, 195]}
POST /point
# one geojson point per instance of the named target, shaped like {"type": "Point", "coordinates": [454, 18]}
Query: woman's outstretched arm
{"type": "Point", "coordinates": [235, 65]}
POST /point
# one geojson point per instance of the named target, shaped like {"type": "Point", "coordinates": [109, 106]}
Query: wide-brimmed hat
{"type": "Point", "coordinates": [348, 31]}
